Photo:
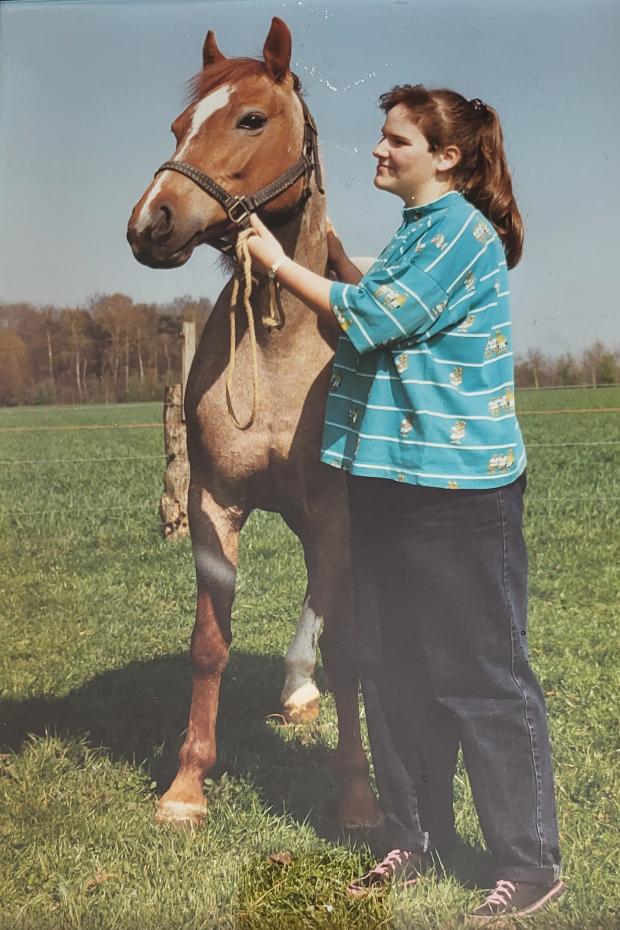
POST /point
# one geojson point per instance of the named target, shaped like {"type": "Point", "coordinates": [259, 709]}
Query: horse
{"type": "Point", "coordinates": [247, 127]}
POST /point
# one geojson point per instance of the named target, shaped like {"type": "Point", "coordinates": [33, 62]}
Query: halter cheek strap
{"type": "Point", "coordinates": [239, 208]}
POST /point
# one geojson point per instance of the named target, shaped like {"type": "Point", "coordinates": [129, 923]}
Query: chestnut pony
{"type": "Point", "coordinates": [246, 127]}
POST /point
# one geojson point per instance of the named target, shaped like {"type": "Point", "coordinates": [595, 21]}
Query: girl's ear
{"type": "Point", "coordinates": [448, 158]}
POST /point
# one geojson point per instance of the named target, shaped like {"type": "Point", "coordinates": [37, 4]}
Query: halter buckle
{"type": "Point", "coordinates": [239, 211]}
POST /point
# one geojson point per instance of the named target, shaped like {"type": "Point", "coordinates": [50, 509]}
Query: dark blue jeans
{"type": "Point", "coordinates": [441, 598]}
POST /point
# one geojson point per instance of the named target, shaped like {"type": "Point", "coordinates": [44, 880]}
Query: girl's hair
{"type": "Point", "coordinates": [446, 118]}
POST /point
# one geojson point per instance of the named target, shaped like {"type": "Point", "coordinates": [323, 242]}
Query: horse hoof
{"type": "Point", "coordinates": [361, 824]}
{"type": "Point", "coordinates": [368, 822]}
{"type": "Point", "coordinates": [303, 704]}
{"type": "Point", "coordinates": [180, 813]}
{"type": "Point", "coordinates": [359, 810]}
{"type": "Point", "coordinates": [305, 713]}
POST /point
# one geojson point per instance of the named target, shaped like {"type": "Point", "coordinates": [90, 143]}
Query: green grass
{"type": "Point", "coordinates": [569, 398]}
{"type": "Point", "coordinates": [94, 676]}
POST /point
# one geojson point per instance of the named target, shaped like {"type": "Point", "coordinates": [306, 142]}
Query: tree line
{"type": "Point", "coordinates": [112, 350]}
{"type": "Point", "coordinates": [594, 366]}
{"type": "Point", "coordinates": [107, 351]}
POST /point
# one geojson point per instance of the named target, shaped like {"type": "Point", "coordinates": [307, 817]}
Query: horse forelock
{"type": "Point", "coordinates": [228, 71]}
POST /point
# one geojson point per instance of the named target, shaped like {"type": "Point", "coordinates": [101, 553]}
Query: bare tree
{"type": "Point", "coordinates": [591, 360]}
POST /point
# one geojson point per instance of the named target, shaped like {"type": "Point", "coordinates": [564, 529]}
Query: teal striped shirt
{"type": "Point", "coordinates": [422, 386]}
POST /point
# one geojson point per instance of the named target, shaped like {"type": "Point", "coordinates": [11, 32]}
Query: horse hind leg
{"type": "Point", "coordinates": [300, 696]}
{"type": "Point", "coordinates": [356, 803]}
{"type": "Point", "coordinates": [331, 593]}
{"type": "Point", "coordinates": [215, 538]}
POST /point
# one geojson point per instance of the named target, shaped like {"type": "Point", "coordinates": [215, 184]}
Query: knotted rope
{"type": "Point", "coordinates": [272, 320]}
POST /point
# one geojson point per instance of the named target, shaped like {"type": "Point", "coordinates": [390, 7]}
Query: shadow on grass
{"type": "Point", "coordinates": [139, 713]}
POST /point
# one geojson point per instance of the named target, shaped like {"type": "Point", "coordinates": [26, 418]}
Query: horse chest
{"type": "Point", "coordinates": [287, 429]}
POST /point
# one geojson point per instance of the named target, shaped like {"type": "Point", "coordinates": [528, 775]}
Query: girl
{"type": "Point", "coordinates": [421, 416]}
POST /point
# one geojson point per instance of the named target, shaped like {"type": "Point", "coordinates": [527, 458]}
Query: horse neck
{"type": "Point", "coordinates": [304, 237]}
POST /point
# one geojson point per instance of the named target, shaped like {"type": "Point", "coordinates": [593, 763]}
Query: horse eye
{"type": "Point", "coordinates": [252, 121]}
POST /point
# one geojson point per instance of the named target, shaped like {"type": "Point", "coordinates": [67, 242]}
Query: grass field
{"type": "Point", "coordinates": [94, 676]}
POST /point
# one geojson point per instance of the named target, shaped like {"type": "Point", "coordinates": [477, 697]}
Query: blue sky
{"type": "Point", "coordinates": [88, 91]}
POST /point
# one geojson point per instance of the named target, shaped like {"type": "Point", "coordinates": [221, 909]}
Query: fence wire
{"type": "Point", "coordinates": [101, 426]}
{"type": "Point", "coordinates": [150, 506]}
{"type": "Point", "coordinates": [161, 457]}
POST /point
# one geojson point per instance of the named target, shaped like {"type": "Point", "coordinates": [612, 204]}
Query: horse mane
{"type": "Point", "coordinates": [222, 72]}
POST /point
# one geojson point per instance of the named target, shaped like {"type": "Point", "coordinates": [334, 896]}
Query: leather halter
{"type": "Point", "coordinates": [239, 208]}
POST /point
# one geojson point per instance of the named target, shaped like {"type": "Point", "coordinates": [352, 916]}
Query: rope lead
{"type": "Point", "coordinates": [272, 320]}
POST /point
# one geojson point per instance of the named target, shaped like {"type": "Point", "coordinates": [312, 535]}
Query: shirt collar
{"type": "Point", "coordinates": [416, 213]}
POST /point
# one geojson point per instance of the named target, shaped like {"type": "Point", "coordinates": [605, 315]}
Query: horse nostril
{"type": "Point", "coordinates": [164, 222]}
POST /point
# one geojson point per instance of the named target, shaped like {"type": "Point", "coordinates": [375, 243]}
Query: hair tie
{"type": "Point", "coordinates": [478, 105]}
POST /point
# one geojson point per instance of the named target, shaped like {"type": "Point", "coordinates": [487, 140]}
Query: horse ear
{"type": "Point", "coordinates": [210, 51]}
{"type": "Point", "coordinates": [277, 50]}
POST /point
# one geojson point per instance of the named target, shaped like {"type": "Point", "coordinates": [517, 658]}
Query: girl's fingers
{"type": "Point", "coordinates": [258, 225]}
{"type": "Point", "coordinates": [263, 247]}
{"type": "Point", "coordinates": [265, 234]}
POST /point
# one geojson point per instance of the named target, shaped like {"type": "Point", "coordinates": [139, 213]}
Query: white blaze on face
{"type": "Point", "coordinates": [206, 108]}
{"type": "Point", "coordinates": [203, 110]}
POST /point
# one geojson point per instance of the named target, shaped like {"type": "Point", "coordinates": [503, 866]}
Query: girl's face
{"type": "Point", "coordinates": [405, 166]}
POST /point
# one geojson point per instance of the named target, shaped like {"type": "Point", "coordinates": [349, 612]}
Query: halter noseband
{"type": "Point", "coordinates": [239, 208]}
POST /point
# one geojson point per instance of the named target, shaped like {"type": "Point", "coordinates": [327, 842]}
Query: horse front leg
{"type": "Point", "coordinates": [215, 542]}
{"type": "Point", "coordinates": [331, 596]}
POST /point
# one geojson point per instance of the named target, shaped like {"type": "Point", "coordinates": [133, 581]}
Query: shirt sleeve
{"type": "Point", "coordinates": [422, 292]}
{"type": "Point", "coordinates": [388, 305]}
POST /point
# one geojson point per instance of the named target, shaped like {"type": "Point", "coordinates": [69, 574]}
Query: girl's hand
{"type": "Point", "coordinates": [335, 249]}
{"type": "Point", "coordinates": [339, 264]}
{"type": "Point", "coordinates": [304, 284]}
{"type": "Point", "coordinates": [329, 226]}
{"type": "Point", "coordinates": [336, 255]}
{"type": "Point", "coordinates": [263, 247]}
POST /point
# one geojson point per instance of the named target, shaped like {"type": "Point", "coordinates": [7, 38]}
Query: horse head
{"type": "Point", "coordinates": [244, 128]}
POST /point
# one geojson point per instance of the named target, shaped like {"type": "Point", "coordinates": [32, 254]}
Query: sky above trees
{"type": "Point", "coordinates": [88, 92]}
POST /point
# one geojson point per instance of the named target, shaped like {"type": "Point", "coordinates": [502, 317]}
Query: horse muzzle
{"type": "Point", "coordinates": [159, 241]}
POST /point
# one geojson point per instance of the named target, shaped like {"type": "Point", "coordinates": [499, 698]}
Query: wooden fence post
{"type": "Point", "coordinates": [173, 502]}
{"type": "Point", "coordinates": [189, 350]}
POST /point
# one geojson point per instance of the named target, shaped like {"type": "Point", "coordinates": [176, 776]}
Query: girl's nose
{"type": "Point", "coordinates": [380, 150]}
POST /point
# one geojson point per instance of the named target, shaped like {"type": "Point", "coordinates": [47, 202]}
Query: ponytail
{"type": "Point", "coordinates": [487, 184]}
{"type": "Point", "coordinates": [446, 118]}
